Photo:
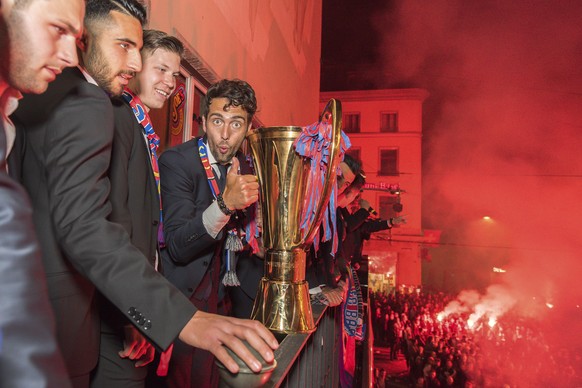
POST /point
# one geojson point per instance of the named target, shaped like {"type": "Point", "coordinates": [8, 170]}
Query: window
{"type": "Point", "coordinates": [389, 162]}
{"type": "Point", "coordinates": [387, 203]}
{"type": "Point", "coordinates": [351, 123]}
{"type": "Point", "coordinates": [389, 122]}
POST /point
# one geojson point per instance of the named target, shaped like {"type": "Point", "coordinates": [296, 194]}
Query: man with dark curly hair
{"type": "Point", "coordinates": [204, 188]}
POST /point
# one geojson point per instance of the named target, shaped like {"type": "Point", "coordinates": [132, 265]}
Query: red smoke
{"type": "Point", "coordinates": [502, 139]}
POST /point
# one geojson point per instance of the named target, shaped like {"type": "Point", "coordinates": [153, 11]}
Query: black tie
{"type": "Point", "coordinates": [222, 179]}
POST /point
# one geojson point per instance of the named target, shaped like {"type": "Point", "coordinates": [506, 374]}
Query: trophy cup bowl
{"type": "Point", "coordinates": [282, 303]}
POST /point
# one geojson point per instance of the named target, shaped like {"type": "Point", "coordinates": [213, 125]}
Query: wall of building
{"type": "Point", "coordinates": [369, 104]}
{"type": "Point", "coordinates": [275, 46]}
{"type": "Point", "coordinates": [403, 243]}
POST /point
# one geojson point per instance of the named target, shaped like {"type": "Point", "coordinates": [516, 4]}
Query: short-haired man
{"type": "Point", "coordinates": [199, 198]}
{"type": "Point", "coordinates": [134, 198]}
{"type": "Point", "coordinates": [37, 40]}
{"type": "Point", "coordinates": [65, 168]}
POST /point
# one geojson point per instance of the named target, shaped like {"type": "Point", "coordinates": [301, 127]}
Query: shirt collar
{"type": "Point", "coordinates": [88, 76]}
{"type": "Point", "coordinates": [8, 99]}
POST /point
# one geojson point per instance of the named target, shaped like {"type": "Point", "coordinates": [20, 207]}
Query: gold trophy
{"type": "Point", "coordinates": [282, 303]}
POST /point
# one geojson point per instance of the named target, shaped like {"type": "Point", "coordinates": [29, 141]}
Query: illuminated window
{"type": "Point", "coordinates": [351, 123]}
{"type": "Point", "coordinates": [389, 162]}
{"type": "Point", "coordinates": [389, 122]}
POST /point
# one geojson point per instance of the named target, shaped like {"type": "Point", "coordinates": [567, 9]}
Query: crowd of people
{"type": "Point", "coordinates": [445, 351]}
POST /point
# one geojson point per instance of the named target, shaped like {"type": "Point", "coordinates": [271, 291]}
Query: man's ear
{"type": "Point", "coordinates": [82, 42]}
{"type": "Point", "coordinates": [204, 123]}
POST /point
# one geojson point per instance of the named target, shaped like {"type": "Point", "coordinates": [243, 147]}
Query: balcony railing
{"type": "Point", "coordinates": [312, 360]}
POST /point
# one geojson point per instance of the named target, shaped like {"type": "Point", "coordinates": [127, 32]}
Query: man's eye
{"type": "Point", "coordinates": [216, 122]}
{"type": "Point", "coordinates": [60, 30]}
{"type": "Point", "coordinates": [236, 125]}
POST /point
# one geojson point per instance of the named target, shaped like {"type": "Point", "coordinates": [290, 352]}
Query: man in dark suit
{"type": "Point", "coordinates": [65, 169]}
{"type": "Point", "coordinates": [197, 210]}
{"type": "Point", "coordinates": [134, 198]}
{"type": "Point", "coordinates": [361, 225]}
{"type": "Point", "coordinates": [29, 356]}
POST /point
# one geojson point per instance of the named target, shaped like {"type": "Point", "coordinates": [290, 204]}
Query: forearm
{"type": "Point", "coordinates": [376, 226]}
{"type": "Point", "coordinates": [186, 242]}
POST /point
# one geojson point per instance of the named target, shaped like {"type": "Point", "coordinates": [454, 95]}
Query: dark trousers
{"type": "Point", "coordinates": [193, 367]}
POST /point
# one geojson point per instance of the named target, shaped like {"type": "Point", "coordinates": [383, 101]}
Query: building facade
{"type": "Point", "coordinates": [385, 131]}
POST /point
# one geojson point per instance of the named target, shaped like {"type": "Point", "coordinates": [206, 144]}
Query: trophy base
{"type": "Point", "coordinates": [284, 307]}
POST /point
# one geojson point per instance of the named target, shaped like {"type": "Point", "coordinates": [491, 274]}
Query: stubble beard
{"type": "Point", "coordinates": [222, 158]}
{"type": "Point", "coordinates": [97, 66]}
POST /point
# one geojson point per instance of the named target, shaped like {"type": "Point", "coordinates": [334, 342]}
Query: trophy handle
{"type": "Point", "coordinates": [334, 107]}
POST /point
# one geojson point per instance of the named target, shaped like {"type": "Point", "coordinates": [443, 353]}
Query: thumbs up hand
{"type": "Point", "coordinates": [241, 190]}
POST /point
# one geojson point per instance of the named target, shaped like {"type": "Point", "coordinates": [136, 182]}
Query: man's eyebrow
{"type": "Point", "coordinates": [219, 114]}
{"type": "Point", "coordinates": [70, 27]}
{"type": "Point", "coordinates": [127, 40]}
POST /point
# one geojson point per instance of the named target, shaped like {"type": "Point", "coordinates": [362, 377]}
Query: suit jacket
{"type": "Point", "coordinates": [29, 356]}
{"type": "Point", "coordinates": [190, 250]}
{"type": "Point", "coordinates": [359, 229]}
{"type": "Point", "coordinates": [133, 197]}
{"type": "Point", "coordinates": [327, 267]}
{"type": "Point", "coordinates": [69, 132]}
{"type": "Point", "coordinates": [250, 269]}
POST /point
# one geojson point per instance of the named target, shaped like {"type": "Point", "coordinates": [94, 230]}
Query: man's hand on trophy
{"type": "Point", "coordinates": [241, 190]}
{"type": "Point", "coordinates": [213, 332]}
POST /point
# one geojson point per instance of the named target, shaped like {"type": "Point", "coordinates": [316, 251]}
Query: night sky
{"type": "Point", "coordinates": [502, 136]}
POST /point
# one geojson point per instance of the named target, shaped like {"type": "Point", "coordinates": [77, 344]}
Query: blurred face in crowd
{"type": "Point", "coordinates": [38, 40]}
{"type": "Point", "coordinates": [226, 128]}
{"type": "Point", "coordinates": [348, 196]}
{"type": "Point", "coordinates": [345, 179]}
{"type": "Point", "coordinates": [111, 51]}
{"type": "Point", "coordinates": [156, 82]}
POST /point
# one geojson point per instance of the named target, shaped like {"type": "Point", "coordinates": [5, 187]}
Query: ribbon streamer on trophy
{"type": "Point", "coordinates": [297, 172]}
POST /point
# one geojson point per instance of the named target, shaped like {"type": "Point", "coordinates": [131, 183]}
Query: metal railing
{"type": "Point", "coordinates": [312, 360]}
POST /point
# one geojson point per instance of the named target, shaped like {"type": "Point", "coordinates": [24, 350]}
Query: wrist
{"type": "Point", "coordinates": [222, 206]}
